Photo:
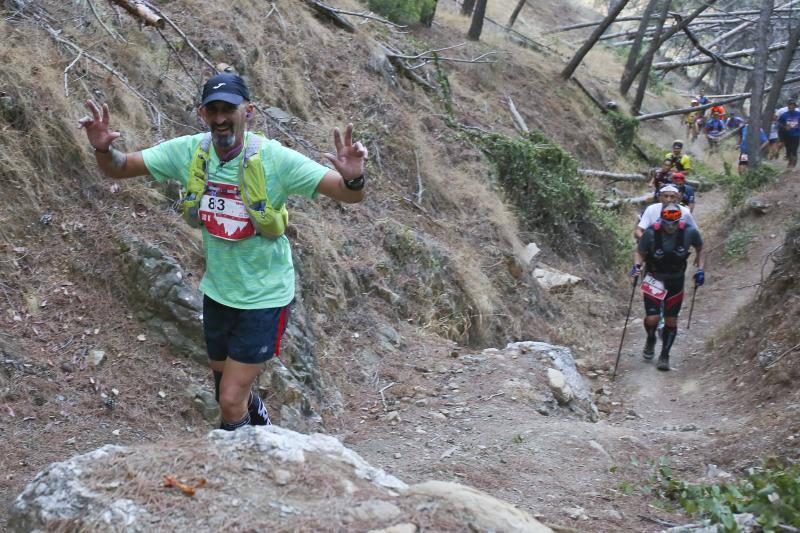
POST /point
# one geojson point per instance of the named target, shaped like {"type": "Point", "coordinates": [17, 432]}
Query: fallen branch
{"type": "Point", "coordinates": [781, 356]}
{"type": "Point", "coordinates": [688, 62]}
{"type": "Point", "coordinates": [636, 200]}
{"type": "Point", "coordinates": [419, 179]}
{"type": "Point", "coordinates": [615, 176]}
{"type": "Point", "coordinates": [364, 14]}
{"type": "Point", "coordinates": [684, 110]}
{"type": "Point", "coordinates": [331, 14]}
{"type": "Point", "coordinates": [519, 122]}
{"type": "Point", "coordinates": [189, 43]}
{"type": "Point", "coordinates": [103, 24]}
{"type": "Point", "coordinates": [67, 69]}
{"type": "Point", "coordinates": [142, 12]}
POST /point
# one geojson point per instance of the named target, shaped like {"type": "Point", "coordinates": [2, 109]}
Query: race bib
{"type": "Point", "coordinates": [791, 124]}
{"type": "Point", "coordinates": [223, 214]}
{"type": "Point", "coordinates": [743, 158]}
{"type": "Point", "coordinates": [653, 287]}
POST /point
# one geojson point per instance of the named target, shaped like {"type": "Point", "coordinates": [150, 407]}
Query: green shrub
{"type": "Point", "coordinates": [737, 243]}
{"type": "Point", "coordinates": [404, 11]}
{"type": "Point", "coordinates": [541, 179]}
{"type": "Point", "coordinates": [740, 187]}
{"type": "Point", "coordinates": [624, 127]}
{"type": "Point", "coordinates": [771, 493]}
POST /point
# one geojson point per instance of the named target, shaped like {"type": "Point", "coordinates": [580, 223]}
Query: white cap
{"type": "Point", "coordinates": [669, 188]}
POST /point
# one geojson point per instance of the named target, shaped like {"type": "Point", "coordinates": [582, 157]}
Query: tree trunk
{"type": "Point", "coordinates": [476, 27]}
{"type": "Point", "coordinates": [427, 18]}
{"type": "Point", "coordinates": [699, 79]}
{"type": "Point", "coordinates": [467, 7]}
{"type": "Point", "coordinates": [515, 13]}
{"type": "Point", "coordinates": [759, 76]}
{"type": "Point", "coordinates": [644, 78]}
{"type": "Point", "coordinates": [576, 60]}
{"type": "Point", "coordinates": [783, 66]}
{"type": "Point", "coordinates": [633, 56]}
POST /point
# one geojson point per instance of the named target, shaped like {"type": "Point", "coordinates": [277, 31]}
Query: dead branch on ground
{"type": "Point", "coordinates": [519, 122]}
{"type": "Point", "coordinates": [614, 176]}
{"type": "Point", "coordinates": [420, 188]}
{"type": "Point", "coordinates": [636, 200]}
{"type": "Point", "coordinates": [103, 24]}
{"type": "Point", "coordinates": [364, 14]}
{"type": "Point", "coordinates": [142, 12]}
{"type": "Point", "coordinates": [332, 15]}
{"type": "Point", "coordinates": [66, 72]}
{"type": "Point", "coordinates": [186, 39]}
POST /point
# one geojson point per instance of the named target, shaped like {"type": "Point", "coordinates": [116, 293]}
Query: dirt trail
{"type": "Point", "coordinates": [456, 424]}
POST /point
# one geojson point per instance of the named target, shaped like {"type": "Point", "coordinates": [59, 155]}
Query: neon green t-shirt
{"type": "Point", "coordinates": [252, 273]}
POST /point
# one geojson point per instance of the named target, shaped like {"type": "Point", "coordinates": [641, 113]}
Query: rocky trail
{"type": "Point", "coordinates": [476, 418]}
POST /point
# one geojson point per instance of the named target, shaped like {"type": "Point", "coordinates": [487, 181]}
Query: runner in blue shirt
{"type": "Point", "coordinates": [763, 140]}
{"type": "Point", "coordinates": [686, 190]}
{"type": "Point", "coordinates": [714, 128]}
{"type": "Point", "coordinates": [789, 124]}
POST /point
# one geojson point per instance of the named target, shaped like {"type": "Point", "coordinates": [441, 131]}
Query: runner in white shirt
{"type": "Point", "coordinates": [668, 194]}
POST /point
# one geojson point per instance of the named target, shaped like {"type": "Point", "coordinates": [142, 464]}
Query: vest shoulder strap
{"type": "Point", "coordinates": [205, 143]}
{"type": "Point", "coordinates": [253, 147]}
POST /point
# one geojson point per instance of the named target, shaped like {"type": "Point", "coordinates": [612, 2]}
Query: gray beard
{"type": "Point", "coordinates": [225, 141]}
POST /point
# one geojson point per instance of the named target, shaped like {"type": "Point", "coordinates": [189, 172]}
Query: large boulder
{"type": "Point", "coordinates": [265, 478]}
{"type": "Point", "coordinates": [171, 307]}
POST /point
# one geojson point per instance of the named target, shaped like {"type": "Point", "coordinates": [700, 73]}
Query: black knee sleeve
{"type": "Point", "coordinates": [217, 380]}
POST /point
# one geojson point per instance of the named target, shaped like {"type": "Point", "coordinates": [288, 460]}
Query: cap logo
{"type": "Point", "coordinates": [219, 85]}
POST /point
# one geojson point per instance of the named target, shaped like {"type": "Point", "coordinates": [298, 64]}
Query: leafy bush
{"type": "Point", "coordinates": [404, 11]}
{"type": "Point", "coordinates": [740, 187]}
{"type": "Point", "coordinates": [624, 127]}
{"type": "Point", "coordinates": [772, 493]}
{"type": "Point", "coordinates": [737, 243]}
{"type": "Point", "coordinates": [542, 180]}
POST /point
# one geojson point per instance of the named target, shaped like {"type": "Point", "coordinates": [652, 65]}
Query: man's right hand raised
{"type": "Point", "coordinates": [96, 127]}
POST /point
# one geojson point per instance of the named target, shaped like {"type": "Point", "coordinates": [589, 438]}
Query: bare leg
{"type": "Point", "coordinates": [234, 394]}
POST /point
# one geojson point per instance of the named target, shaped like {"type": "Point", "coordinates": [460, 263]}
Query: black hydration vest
{"type": "Point", "coordinates": [673, 262]}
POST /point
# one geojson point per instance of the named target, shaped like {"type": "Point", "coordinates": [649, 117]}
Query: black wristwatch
{"type": "Point", "coordinates": [355, 184]}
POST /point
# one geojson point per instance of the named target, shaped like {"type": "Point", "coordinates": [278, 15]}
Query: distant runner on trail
{"type": "Point", "coordinates": [702, 99]}
{"type": "Point", "coordinates": [714, 128]}
{"type": "Point", "coordinates": [236, 184]}
{"type": "Point", "coordinates": [692, 121]}
{"type": "Point", "coordinates": [743, 152]}
{"type": "Point", "coordinates": [686, 191]}
{"type": "Point", "coordinates": [775, 143]}
{"type": "Point", "coordinates": [664, 251]}
{"type": "Point", "coordinates": [669, 194]}
{"type": "Point", "coordinates": [680, 161]}
{"type": "Point", "coordinates": [789, 124]}
{"type": "Point", "coordinates": [661, 177]}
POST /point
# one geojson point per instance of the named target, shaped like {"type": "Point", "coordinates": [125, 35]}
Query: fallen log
{"type": "Point", "coordinates": [684, 110]}
{"type": "Point", "coordinates": [140, 11]}
{"type": "Point", "coordinates": [635, 200]}
{"type": "Point", "coordinates": [687, 62]}
{"type": "Point", "coordinates": [615, 176]}
{"type": "Point", "coordinates": [519, 122]}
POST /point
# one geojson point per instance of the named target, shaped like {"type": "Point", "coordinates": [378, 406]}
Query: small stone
{"type": "Point", "coordinates": [281, 476]}
{"type": "Point", "coordinates": [392, 416]}
{"type": "Point", "coordinates": [162, 394]}
{"type": "Point", "coordinates": [115, 432]}
{"type": "Point", "coordinates": [422, 402]}
{"type": "Point", "coordinates": [398, 455]}
{"type": "Point", "coordinates": [67, 367]}
{"type": "Point", "coordinates": [115, 392]}
{"type": "Point", "coordinates": [438, 416]}
{"type": "Point", "coordinates": [141, 338]}
{"type": "Point", "coordinates": [96, 358]}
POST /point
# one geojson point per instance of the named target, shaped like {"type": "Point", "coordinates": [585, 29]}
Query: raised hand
{"type": "Point", "coordinates": [349, 159]}
{"type": "Point", "coordinates": [96, 127]}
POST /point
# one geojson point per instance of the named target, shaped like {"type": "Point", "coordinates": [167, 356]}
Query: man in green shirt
{"type": "Point", "coordinates": [248, 285]}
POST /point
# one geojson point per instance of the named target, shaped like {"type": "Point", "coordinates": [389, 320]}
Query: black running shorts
{"type": "Point", "coordinates": [672, 302]}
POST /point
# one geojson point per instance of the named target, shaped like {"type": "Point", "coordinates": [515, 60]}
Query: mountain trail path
{"type": "Point", "coordinates": [469, 419]}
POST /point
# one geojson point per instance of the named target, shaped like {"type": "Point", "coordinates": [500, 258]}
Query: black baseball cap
{"type": "Point", "coordinates": [226, 87]}
{"type": "Point", "coordinates": [791, 101]}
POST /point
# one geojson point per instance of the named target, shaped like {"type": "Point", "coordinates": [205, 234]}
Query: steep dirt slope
{"type": "Point", "coordinates": [443, 267]}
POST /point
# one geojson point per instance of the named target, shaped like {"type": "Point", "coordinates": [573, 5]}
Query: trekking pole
{"type": "Point", "coordinates": [624, 328]}
{"type": "Point", "coordinates": [691, 307]}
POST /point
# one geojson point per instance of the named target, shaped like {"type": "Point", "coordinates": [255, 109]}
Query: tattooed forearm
{"type": "Point", "coordinates": [118, 158]}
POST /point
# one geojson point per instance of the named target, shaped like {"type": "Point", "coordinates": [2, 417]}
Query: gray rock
{"type": "Point", "coordinates": [558, 384]}
{"type": "Point", "coordinates": [96, 358]}
{"type": "Point", "coordinates": [757, 205]}
{"type": "Point", "coordinates": [304, 479]}
{"type": "Point", "coordinates": [553, 280]}
{"type": "Point", "coordinates": [561, 359]}
{"type": "Point", "coordinates": [746, 523]}
{"type": "Point", "coordinates": [171, 308]}
{"type": "Point", "coordinates": [205, 402]}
